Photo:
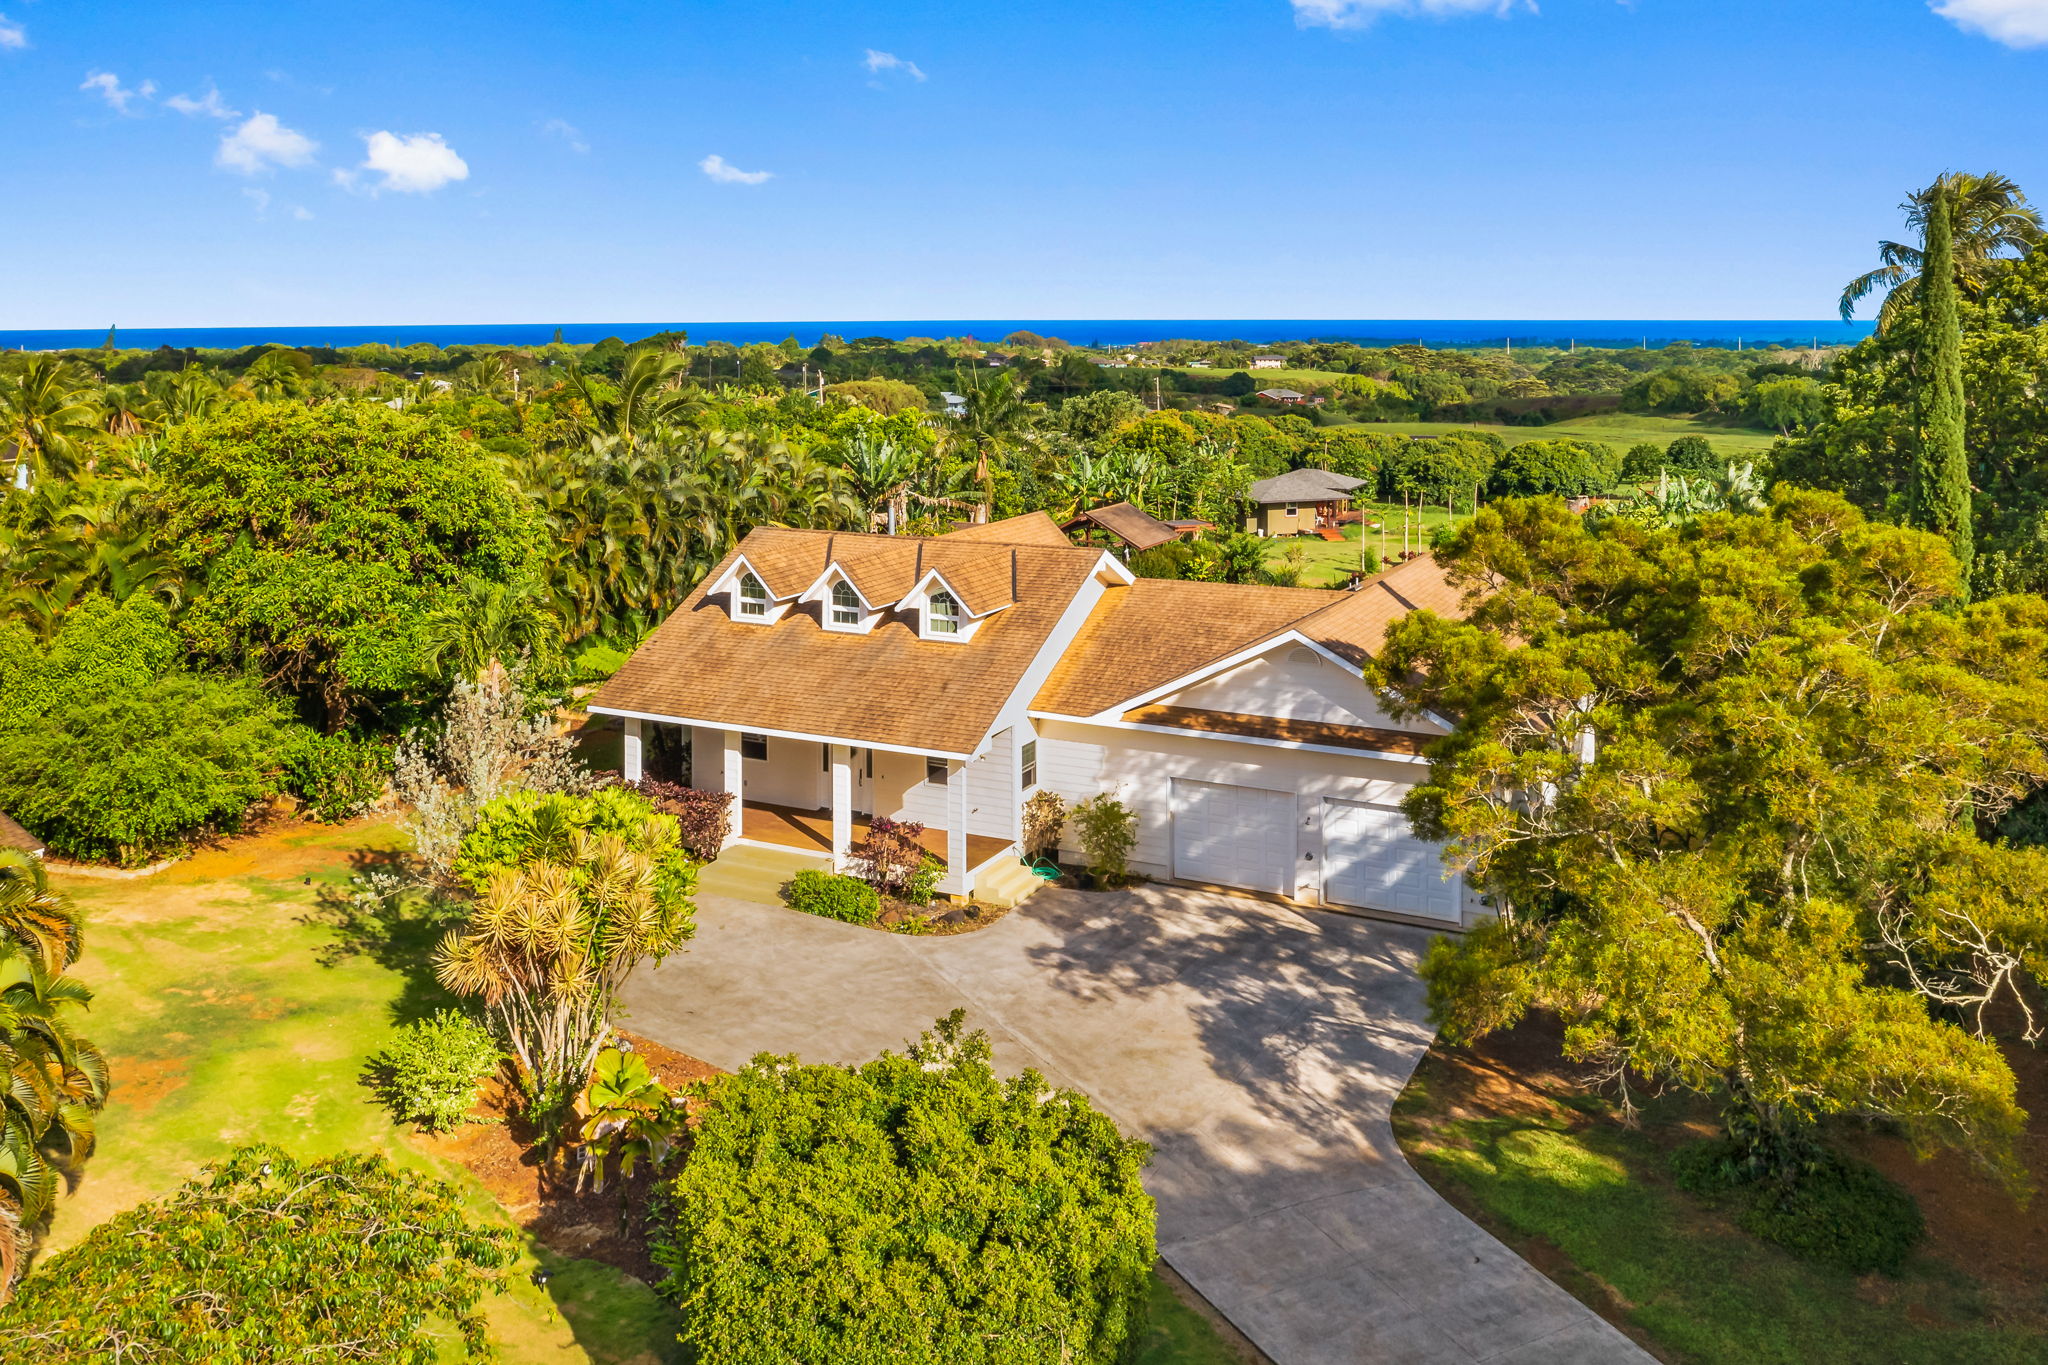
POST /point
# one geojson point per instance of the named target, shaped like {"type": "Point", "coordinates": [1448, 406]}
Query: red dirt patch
{"type": "Point", "coordinates": [541, 1197]}
{"type": "Point", "coordinates": [141, 1085]}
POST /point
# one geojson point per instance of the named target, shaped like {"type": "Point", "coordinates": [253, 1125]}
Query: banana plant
{"type": "Point", "coordinates": [631, 1115]}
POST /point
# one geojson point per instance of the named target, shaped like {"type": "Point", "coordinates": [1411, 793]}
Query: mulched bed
{"type": "Point", "coordinates": [938, 920]}
{"type": "Point", "coordinates": [498, 1150]}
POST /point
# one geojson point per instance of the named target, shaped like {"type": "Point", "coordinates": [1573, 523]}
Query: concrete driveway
{"type": "Point", "coordinates": [1258, 1048]}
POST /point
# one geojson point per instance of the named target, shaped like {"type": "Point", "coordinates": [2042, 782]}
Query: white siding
{"type": "Point", "coordinates": [793, 774]}
{"type": "Point", "coordinates": [1296, 683]}
{"type": "Point", "coordinates": [899, 778]}
{"type": "Point", "coordinates": [1078, 761]}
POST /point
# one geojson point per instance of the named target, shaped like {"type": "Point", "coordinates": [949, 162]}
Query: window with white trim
{"type": "Point", "coordinates": [942, 616]}
{"type": "Point", "coordinates": [845, 604]}
{"type": "Point", "coordinates": [1028, 765]}
{"type": "Point", "coordinates": [753, 596]}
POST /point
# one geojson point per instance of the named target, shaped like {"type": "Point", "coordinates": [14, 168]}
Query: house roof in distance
{"type": "Point", "coordinates": [1134, 526]}
{"type": "Point", "coordinates": [1305, 485]}
{"type": "Point", "coordinates": [886, 687]}
{"type": "Point", "coordinates": [14, 836]}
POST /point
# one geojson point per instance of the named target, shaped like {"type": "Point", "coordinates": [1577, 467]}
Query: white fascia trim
{"type": "Point", "coordinates": [1115, 568]}
{"type": "Point", "coordinates": [729, 581]}
{"type": "Point", "coordinates": [779, 734]}
{"type": "Point", "coordinates": [918, 593]}
{"type": "Point", "coordinates": [822, 589]}
{"type": "Point", "coordinates": [1288, 744]}
{"type": "Point", "coordinates": [1223, 665]}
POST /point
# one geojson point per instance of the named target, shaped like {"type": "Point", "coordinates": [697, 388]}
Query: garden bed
{"type": "Point", "coordinates": [497, 1147]}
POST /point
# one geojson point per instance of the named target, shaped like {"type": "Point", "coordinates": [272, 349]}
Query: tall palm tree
{"type": "Point", "coordinates": [49, 414]}
{"type": "Point", "coordinates": [651, 394]}
{"type": "Point", "coordinates": [995, 416]}
{"type": "Point", "coordinates": [55, 1082]}
{"type": "Point", "coordinates": [1992, 224]}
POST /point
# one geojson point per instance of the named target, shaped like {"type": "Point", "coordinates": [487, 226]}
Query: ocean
{"type": "Point", "coordinates": [1079, 331]}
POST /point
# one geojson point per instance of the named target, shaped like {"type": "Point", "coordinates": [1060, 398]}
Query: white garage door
{"type": "Point", "coordinates": [1233, 836]}
{"type": "Point", "coordinates": [1371, 860]}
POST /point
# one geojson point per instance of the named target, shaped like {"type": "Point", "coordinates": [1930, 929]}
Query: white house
{"type": "Point", "coordinates": [1269, 362]}
{"type": "Point", "coordinates": [829, 678]}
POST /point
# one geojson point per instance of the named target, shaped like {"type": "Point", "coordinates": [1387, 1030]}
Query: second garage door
{"type": "Point", "coordinates": [1371, 860]}
{"type": "Point", "coordinates": [1233, 836]}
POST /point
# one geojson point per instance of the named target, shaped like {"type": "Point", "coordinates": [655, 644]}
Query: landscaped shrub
{"type": "Point", "coordinates": [431, 1073]}
{"type": "Point", "coordinates": [265, 1258]}
{"type": "Point", "coordinates": [1835, 1211]}
{"type": "Point", "coordinates": [704, 818]}
{"type": "Point", "coordinates": [894, 860]}
{"type": "Point", "coordinates": [1045, 818]}
{"type": "Point", "coordinates": [1693, 456]}
{"type": "Point", "coordinates": [833, 897]}
{"type": "Point", "coordinates": [597, 663]}
{"type": "Point", "coordinates": [918, 1209]}
{"type": "Point", "coordinates": [1108, 830]}
{"type": "Point", "coordinates": [337, 776]}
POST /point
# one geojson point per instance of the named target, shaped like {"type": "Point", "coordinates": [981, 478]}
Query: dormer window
{"type": "Point", "coordinates": [846, 608]}
{"type": "Point", "coordinates": [942, 616]}
{"type": "Point", "coordinates": [753, 597]}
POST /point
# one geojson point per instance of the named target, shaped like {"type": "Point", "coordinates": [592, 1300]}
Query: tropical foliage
{"type": "Point", "coordinates": [917, 1208]}
{"type": "Point", "coordinates": [1726, 785]}
{"type": "Point", "coordinates": [265, 1257]}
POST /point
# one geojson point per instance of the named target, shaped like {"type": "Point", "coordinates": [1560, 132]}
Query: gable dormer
{"type": "Point", "coordinates": [939, 611]}
{"type": "Point", "coordinates": [842, 606]}
{"type": "Point", "coordinates": [748, 598]}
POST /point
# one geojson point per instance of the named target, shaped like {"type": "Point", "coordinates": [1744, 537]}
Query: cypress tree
{"type": "Point", "coordinates": [1941, 471]}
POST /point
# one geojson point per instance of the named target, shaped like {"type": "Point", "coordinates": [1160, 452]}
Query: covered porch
{"type": "Point", "coordinates": [817, 796]}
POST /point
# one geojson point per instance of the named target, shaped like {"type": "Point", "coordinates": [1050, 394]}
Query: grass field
{"type": "Point", "coordinates": [229, 1018]}
{"type": "Point", "coordinates": [1618, 429]}
{"type": "Point", "coordinates": [1546, 1166]}
{"type": "Point", "coordinates": [1328, 563]}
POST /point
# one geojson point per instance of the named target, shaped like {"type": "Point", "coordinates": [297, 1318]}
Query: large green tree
{"type": "Point", "coordinates": [917, 1209]}
{"type": "Point", "coordinates": [1940, 494]}
{"type": "Point", "coordinates": [1726, 784]}
{"type": "Point", "coordinates": [328, 537]}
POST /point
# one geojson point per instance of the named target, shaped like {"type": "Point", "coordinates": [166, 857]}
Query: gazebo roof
{"type": "Point", "coordinates": [1134, 526]}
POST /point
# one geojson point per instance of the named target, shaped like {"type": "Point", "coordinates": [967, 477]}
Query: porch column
{"type": "Point", "coordinates": [958, 874]}
{"type": "Point", "coordinates": [842, 805]}
{"type": "Point", "coordinates": [733, 781]}
{"type": "Point", "coordinates": [629, 756]}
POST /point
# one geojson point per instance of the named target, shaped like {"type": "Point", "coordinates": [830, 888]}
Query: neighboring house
{"type": "Point", "coordinates": [829, 678]}
{"type": "Point", "coordinates": [1132, 527]}
{"type": "Point", "coordinates": [1269, 362]}
{"type": "Point", "coordinates": [1198, 364]}
{"type": "Point", "coordinates": [15, 837]}
{"type": "Point", "coordinates": [1289, 397]}
{"type": "Point", "coordinates": [1299, 502]}
{"type": "Point", "coordinates": [955, 404]}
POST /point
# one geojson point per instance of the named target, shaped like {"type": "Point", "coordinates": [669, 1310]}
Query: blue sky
{"type": "Point", "coordinates": [208, 163]}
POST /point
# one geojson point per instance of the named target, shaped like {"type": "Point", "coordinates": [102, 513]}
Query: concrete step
{"type": "Point", "coordinates": [744, 872]}
{"type": "Point", "coordinates": [1005, 882]}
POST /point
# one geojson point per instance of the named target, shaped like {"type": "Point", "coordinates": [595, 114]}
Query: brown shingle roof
{"type": "Point", "coordinates": [1145, 636]}
{"type": "Point", "coordinates": [886, 687]}
{"type": "Point", "coordinates": [1365, 737]}
{"type": "Point", "coordinates": [1033, 528]}
{"type": "Point", "coordinates": [14, 836]}
{"type": "Point", "coordinates": [1134, 526]}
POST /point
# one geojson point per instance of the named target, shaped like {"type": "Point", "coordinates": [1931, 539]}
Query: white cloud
{"type": "Point", "coordinates": [567, 131]}
{"type": "Point", "coordinates": [302, 213]}
{"type": "Point", "coordinates": [13, 37]}
{"type": "Point", "coordinates": [879, 62]}
{"type": "Point", "coordinates": [262, 144]}
{"type": "Point", "coordinates": [260, 198]}
{"type": "Point", "coordinates": [2016, 23]}
{"type": "Point", "coordinates": [1360, 13]}
{"type": "Point", "coordinates": [416, 163]}
{"type": "Point", "coordinates": [117, 96]}
{"type": "Point", "coordinates": [715, 166]}
{"type": "Point", "coordinates": [208, 104]}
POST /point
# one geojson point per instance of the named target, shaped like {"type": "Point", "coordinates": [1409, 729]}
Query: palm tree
{"type": "Point", "coordinates": [1992, 222]}
{"type": "Point", "coordinates": [56, 1081]}
{"type": "Point", "coordinates": [48, 415]}
{"type": "Point", "coordinates": [489, 623]}
{"type": "Point", "coordinates": [996, 416]}
{"type": "Point", "coordinates": [651, 394]}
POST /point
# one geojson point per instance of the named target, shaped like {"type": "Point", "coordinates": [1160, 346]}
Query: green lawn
{"type": "Point", "coordinates": [1592, 1203]}
{"type": "Point", "coordinates": [229, 1018]}
{"type": "Point", "coordinates": [1618, 429]}
{"type": "Point", "coordinates": [1328, 563]}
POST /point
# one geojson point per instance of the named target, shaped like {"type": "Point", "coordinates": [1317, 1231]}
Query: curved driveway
{"type": "Point", "coordinates": [1258, 1048]}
